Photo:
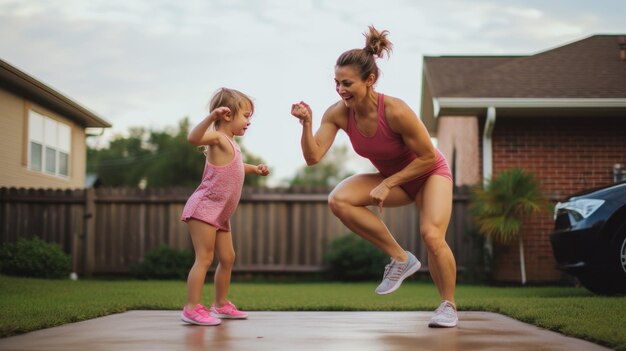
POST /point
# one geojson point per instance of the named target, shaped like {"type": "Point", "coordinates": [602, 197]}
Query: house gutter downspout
{"type": "Point", "coordinates": [487, 147]}
{"type": "Point", "coordinates": [488, 164]}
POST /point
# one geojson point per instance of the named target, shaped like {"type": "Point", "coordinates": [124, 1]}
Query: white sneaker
{"type": "Point", "coordinates": [445, 316]}
{"type": "Point", "coordinates": [396, 272]}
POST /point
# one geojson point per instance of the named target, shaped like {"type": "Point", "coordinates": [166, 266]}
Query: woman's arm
{"type": "Point", "coordinates": [403, 120]}
{"type": "Point", "coordinates": [314, 147]}
{"type": "Point", "coordinates": [200, 135]}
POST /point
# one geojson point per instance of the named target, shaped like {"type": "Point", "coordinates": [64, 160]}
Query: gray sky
{"type": "Point", "coordinates": [152, 62]}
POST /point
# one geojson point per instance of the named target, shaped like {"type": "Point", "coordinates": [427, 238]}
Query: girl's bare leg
{"type": "Point", "coordinates": [226, 257]}
{"type": "Point", "coordinates": [203, 239]}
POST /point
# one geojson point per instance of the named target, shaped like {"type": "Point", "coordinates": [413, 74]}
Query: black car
{"type": "Point", "coordinates": [589, 238]}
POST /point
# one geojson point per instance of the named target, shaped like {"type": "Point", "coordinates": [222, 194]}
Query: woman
{"type": "Point", "coordinates": [385, 130]}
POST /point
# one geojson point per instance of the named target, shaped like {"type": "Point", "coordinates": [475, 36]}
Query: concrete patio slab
{"type": "Point", "coordinates": [301, 331]}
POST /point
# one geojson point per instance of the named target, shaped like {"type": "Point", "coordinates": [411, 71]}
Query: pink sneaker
{"type": "Point", "coordinates": [199, 316]}
{"type": "Point", "coordinates": [228, 311]}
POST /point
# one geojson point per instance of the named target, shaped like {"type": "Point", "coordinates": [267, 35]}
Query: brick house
{"type": "Point", "coordinates": [42, 133]}
{"type": "Point", "coordinates": [560, 114]}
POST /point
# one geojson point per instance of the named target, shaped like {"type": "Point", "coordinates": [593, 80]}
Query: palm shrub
{"type": "Point", "coordinates": [500, 207]}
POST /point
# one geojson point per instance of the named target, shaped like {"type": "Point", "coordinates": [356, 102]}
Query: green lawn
{"type": "Point", "coordinates": [31, 304]}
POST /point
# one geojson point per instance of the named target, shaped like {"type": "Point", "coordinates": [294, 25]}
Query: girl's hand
{"type": "Point", "coordinates": [379, 194]}
{"type": "Point", "coordinates": [262, 170]}
{"type": "Point", "coordinates": [302, 111]}
{"type": "Point", "coordinates": [220, 113]}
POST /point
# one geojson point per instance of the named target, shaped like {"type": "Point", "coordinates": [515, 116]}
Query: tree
{"type": "Point", "coordinates": [123, 162]}
{"type": "Point", "coordinates": [501, 206]}
{"type": "Point", "coordinates": [176, 162]}
{"type": "Point", "coordinates": [160, 158]}
{"type": "Point", "coordinates": [329, 171]}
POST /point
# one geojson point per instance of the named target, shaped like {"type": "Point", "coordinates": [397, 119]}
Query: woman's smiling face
{"type": "Point", "coordinates": [349, 85]}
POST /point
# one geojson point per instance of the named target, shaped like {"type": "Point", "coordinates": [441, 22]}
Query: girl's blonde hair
{"type": "Point", "coordinates": [231, 98]}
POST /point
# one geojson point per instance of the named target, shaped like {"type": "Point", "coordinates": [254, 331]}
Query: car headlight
{"type": "Point", "coordinates": [580, 208]}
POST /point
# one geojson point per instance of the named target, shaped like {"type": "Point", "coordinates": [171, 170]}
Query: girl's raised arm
{"type": "Point", "coordinates": [201, 135]}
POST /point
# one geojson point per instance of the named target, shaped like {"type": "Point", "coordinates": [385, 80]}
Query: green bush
{"type": "Point", "coordinates": [351, 258]}
{"type": "Point", "coordinates": [164, 262]}
{"type": "Point", "coordinates": [34, 258]}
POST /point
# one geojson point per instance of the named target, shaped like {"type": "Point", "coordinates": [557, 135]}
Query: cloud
{"type": "Point", "coordinates": [150, 63]}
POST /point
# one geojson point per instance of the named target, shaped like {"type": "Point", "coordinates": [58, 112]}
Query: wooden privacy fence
{"type": "Point", "coordinates": [105, 230]}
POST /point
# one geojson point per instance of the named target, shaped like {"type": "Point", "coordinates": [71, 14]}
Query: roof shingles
{"type": "Point", "coordinates": [589, 68]}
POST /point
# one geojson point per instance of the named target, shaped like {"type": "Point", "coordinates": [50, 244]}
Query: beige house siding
{"type": "Point", "coordinates": [14, 147]}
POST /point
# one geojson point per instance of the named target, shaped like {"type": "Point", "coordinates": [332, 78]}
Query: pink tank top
{"type": "Point", "coordinates": [388, 152]}
{"type": "Point", "coordinates": [385, 149]}
{"type": "Point", "coordinates": [216, 198]}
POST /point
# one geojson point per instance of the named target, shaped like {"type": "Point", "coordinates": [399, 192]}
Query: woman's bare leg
{"type": "Point", "coordinates": [349, 201]}
{"type": "Point", "coordinates": [435, 207]}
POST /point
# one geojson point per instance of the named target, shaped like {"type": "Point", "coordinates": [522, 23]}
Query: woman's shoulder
{"type": "Point", "coordinates": [398, 112]}
{"type": "Point", "coordinates": [396, 107]}
{"type": "Point", "coordinates": [336, 111]}
{"type": "Point", "coordinates": [393, 103]}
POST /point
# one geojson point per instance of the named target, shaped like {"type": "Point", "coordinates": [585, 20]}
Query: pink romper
{"type": "Point", "coordinates": [216, 198]}
{"type": "Point", "coordinates": [388, 152]}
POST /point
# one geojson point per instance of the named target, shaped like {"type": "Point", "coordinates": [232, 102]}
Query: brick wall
{"type": "Point", "coordinates": [567, 155]}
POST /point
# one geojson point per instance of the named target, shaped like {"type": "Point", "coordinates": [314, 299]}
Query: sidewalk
{"type": "Point", "coordinates": [300, 331]}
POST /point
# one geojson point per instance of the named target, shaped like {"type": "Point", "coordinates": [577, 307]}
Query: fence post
{"type": "Point", "coordinates": [90, 231]}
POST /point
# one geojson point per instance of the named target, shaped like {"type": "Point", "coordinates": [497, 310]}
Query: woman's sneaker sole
{"type": "Point", "coordinates": [443, 324]}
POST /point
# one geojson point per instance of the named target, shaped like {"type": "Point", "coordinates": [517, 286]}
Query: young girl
{"type": "Point", "coordinates": [209, 208]}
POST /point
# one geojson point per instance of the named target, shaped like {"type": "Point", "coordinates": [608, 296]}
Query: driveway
{"type": "Point", "coordinates": [299, 331]}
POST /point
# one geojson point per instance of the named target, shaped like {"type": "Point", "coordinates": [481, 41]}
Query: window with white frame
{"type": "Point", "coordinates": [49, 144]}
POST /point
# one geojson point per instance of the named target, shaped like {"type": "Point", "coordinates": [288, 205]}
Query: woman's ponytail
{"type": "Point", "coordinates": [376, 45]}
